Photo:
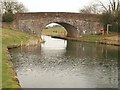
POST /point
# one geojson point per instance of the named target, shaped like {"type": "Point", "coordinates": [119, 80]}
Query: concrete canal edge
{"type": "Point", "coordinates": [105, 42]}
{"type": "Point", "coordinates": [29, 43]}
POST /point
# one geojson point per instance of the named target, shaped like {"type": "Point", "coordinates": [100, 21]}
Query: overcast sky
{"type": "Point", "coordinates": [55, 5]}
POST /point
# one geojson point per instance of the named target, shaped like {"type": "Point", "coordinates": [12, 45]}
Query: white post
{"type": "Point", "coordinates": [108, 28]}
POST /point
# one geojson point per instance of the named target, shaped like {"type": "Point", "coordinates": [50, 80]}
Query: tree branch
{"type": "Point", "coordinates": [111, 5]}
{"type": "Point", "coordinates": [103, 6]}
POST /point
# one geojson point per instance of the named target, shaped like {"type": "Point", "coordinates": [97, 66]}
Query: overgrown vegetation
{"type": "Point", "coordinates": [10, 37]}
{"type": "Point", "coordinates": [8, 17]}
{"type": "Point", "coordinates": [109, 14]}
{"type": "Point", "coordinates": [9, 8]}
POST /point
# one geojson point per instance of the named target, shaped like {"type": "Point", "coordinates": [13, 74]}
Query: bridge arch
{"type": "Point", "coordinates": [71, 30]}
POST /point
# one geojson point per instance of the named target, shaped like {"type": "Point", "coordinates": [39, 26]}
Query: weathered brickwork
{"type": "Point", "coordinates": [74, 23]}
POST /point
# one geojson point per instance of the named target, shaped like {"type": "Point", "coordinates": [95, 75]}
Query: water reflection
{"type": "Point", "coordinates": [66, 64]}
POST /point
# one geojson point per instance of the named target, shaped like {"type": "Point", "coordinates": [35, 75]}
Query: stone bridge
{"type": "Point", "coordinates": [74, 23]}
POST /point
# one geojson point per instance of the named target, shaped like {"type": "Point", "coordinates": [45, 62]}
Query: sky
{"type": "Point", "coordinates": [56, 5]}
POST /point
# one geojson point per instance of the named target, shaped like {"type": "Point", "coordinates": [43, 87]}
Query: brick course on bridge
{"type": "Point", "coordinates": [74, 23]}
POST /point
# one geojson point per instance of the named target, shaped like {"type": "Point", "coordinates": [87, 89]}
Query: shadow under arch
{"type": "Point", "coordinates": [71, 30]}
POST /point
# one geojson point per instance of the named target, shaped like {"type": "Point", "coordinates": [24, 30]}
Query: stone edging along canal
{"type": "Point", "coordinates": [30, 43]}
{"type": "Point", "coordinates": [88, 41]}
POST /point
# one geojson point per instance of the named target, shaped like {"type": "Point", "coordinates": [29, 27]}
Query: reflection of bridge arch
{"type": "Point", "coordinates": [74, 23]}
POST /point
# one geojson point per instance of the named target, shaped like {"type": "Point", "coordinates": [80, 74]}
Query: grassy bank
{"type": "Point", "coordinates": [54, 31]}
{"type": "Point", "coordinates": [9, 38]}
{"type": "Point", "coordinates": [60, 32]}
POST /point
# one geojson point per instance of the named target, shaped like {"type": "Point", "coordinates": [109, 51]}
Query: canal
{"type": "Point", "coordinates": [61, 63]}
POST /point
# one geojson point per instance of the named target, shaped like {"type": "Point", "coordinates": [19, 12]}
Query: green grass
{"type": "Point", "coordinates": [10, 37]}
{"type": "Point", "coordinates": [93, 38]}
{"type": "Point", "coordinates": [54, 31]}
{"type": "Point", "coordinates": [60, 32]}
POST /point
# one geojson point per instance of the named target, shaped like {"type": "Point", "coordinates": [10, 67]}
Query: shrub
{"type": "Point", "coordinates": [7, 17]}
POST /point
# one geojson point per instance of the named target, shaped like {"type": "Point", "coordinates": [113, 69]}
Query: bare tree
{"type": "Point", "coordinates": [9, 8]}
{"type": "Point", "coordinates": [90, 9]}
{"type": "Point", "coordinates": [12, 6]}
{"type": "Point", "coordinates": [86, 10]}
{"type": "Point", "coordinates": [113, 7]}
{"type": "Point", "coordinates": [111, 14]}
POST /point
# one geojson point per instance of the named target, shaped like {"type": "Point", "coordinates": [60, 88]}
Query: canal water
{"type": "Point", "coordinates": [61, 63]}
